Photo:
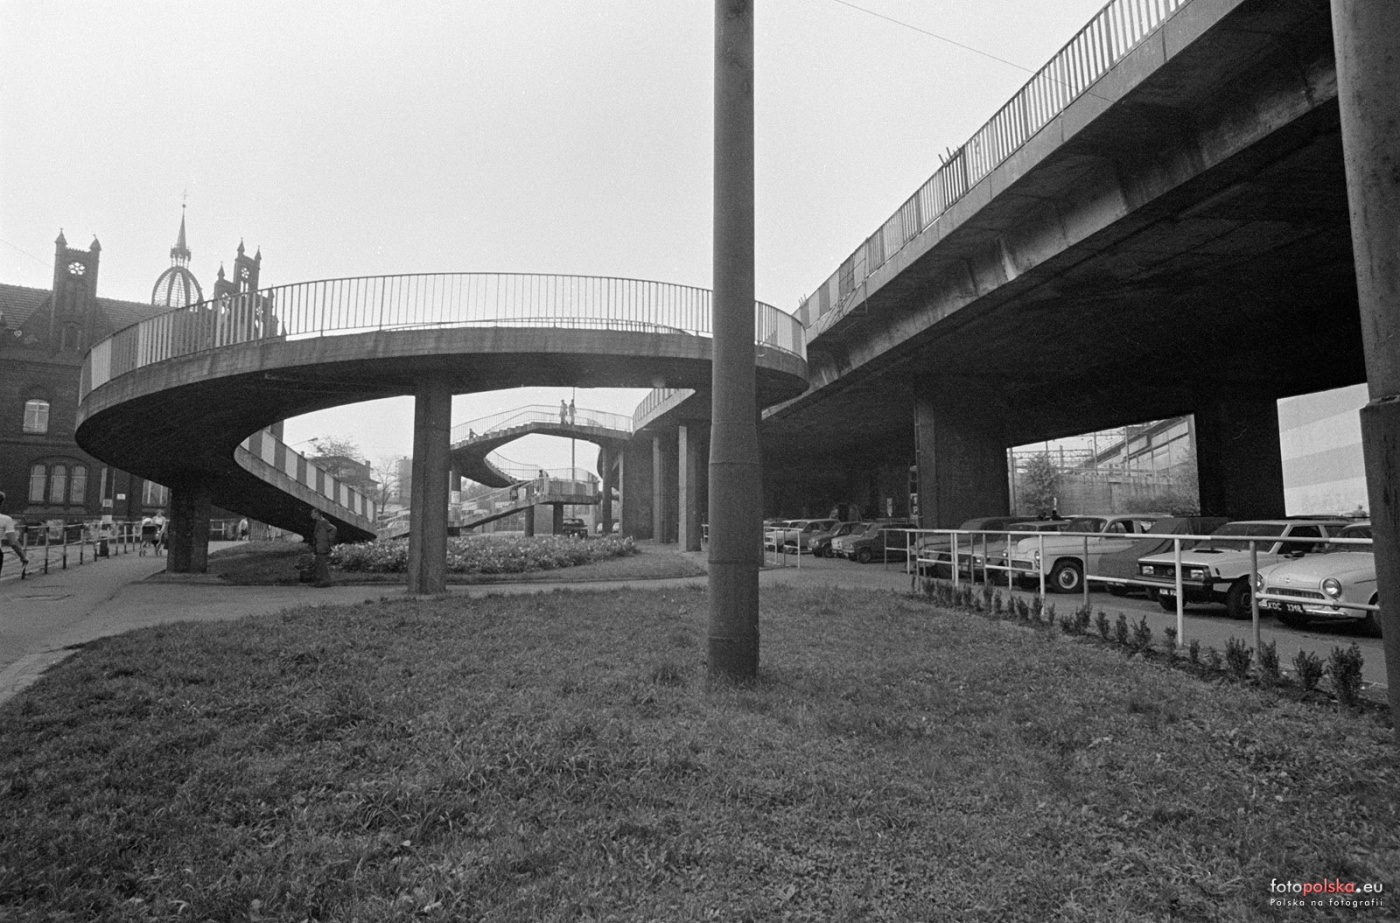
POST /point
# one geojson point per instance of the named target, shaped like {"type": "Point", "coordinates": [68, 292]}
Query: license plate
{"type": "Point", "coordinates": [1292, 607]}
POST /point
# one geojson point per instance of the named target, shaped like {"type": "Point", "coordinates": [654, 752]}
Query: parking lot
{"type": "Point", "coordinates": [1207, 623]}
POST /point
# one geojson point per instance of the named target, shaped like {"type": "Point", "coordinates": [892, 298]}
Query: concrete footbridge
{"type": "Point", "coordinates": [174, 397]}
{"type": "Point", "coordinates": [474, 444]}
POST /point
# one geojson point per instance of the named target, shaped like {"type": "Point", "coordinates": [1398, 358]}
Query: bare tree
{"type": "Point", "coordinates": [1042, 484]}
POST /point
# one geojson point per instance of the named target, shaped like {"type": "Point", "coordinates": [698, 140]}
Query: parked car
{"type": "Point", "coordinates": [885, 540]}
{"type": "Point", "coordinates": [820, 542]}
{"type": "Point", "coordinates": [798, 534]}
{"type": "Point", "coordinates": [935, 552]}
{"type": "Point", "coordinates": [1312, 588]}
{"type": "Point", "coordinates": [841, 543]}
{"type": "Point", "coordinates": [575, 528]}
{"type": "Point", "coordinates": [1117, 567]}
{"type": "Point", "coordinates": [773, 529]}
{"type": "Point", "coordinates": [1065, 559]}
{"type": "Point", "coordinates": [991, 558]}
{"type": "Point", "coordinates": [1217, 570]}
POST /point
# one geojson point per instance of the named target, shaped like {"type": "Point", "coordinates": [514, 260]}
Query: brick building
{"type": "Point", "coordinates": [44, 335]}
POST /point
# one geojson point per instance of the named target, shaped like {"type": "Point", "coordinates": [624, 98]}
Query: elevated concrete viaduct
{"type": "Point", "coordinates": [1174, 241]}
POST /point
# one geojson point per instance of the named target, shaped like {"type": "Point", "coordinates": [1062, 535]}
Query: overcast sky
{"type": "Point", "coordinates": [356, 138]}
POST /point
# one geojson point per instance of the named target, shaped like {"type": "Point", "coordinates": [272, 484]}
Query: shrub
{"type": "Point", "coordinates": [487, 554]}
{"type": "Point", "coordinates": [1193, 651]}
{"type": "Point", "coordinates": [1309, 667]}
{"type": "Point", "coordinates": [1120, 630]}
{"type": "Point", "coordinates": [1101, 623]}
{"type": "Point", "coordinates": [1344, 666]}
{"type": "Point", "coordinates": [1170, 633]}
{"type": "Point", "coordinates": [1142, 636]}
{"type": "Point", "coordinates": [1237, 658]}
{"type": "Point", "coordinates": [1268, 664]}
{"type": "Point", "coordinates": [1214, 662]}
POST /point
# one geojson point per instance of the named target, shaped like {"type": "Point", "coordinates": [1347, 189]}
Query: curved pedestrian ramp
{"type": "Point", "coordinates": [172, 398]}
{"type": "Point", "coordinates": [474, 442]}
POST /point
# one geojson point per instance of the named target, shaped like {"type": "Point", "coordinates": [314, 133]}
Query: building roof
{"type": "Point", "coordinates": [19, 303]}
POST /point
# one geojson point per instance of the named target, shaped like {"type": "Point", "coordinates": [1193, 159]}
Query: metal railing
{"type": "Point", "coordinates": [1117, 29]}
{"type": "Point", "coordinates": [406, 302]}
{"type": "Point", "coordinates": [543, 414]}
{"type": "Point", "coordinates": [654, 399]}
{"type": "Point", "coordinates": [960, 555]}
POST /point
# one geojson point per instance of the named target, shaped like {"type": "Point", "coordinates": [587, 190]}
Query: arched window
{"type": "Point", "coordinates": [77, 486]}
{"type": "Point", "coordinates": [38, 480]}
{"type": "Point", "coordinates": [58, 484]}
{"type": "Point", "coordinates": [36, 416]}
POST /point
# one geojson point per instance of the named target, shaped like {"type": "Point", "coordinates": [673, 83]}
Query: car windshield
{"type": "Point", "coordinates": [1084, 524]}
{"type": "Point", "coordinates": [1223, 538]}
{"type": "Point", "coordinates": [1349, 532]}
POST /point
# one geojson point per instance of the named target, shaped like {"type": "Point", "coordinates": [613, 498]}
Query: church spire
{"type": "Point", "coordinates": [180, 253]}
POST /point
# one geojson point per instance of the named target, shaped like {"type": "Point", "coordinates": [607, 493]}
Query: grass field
{"type": "Point", "coordinates": [564, 757]}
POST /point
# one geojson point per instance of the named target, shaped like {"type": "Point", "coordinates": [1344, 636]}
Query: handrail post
{"type": "Point", "coordinates": [1180, 595]}
{"type": "Point", "coordinates": [1040, 567]}
{"type": "Point", "coordinates": [1084, 574]}
{"type": "Point", "coordinates": [1253, 582]}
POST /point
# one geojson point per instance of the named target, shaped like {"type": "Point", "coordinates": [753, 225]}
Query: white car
{"type": "Point", "coordinates": [1324, 586]}
{"type": "Point", "coordinates": [1063, 560]}
{"type": "Point", "coordinates": [1218, 569]}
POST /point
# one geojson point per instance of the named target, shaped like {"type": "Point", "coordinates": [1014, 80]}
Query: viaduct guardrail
{"type": "Point", "coordinates": [1116, 30]}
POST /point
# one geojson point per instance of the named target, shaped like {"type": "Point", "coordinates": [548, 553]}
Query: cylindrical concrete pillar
{"type": "Point", "coordinates": [1366, 34]}
{"type": "Point", "coordinates": [659, 483]}
{"type": "Point", "coordinates": [609, 479]}
{"type": "Point", "coordinates": [735, 472]}
{"type": "Point", "coordinates": [688, 488]}
{"type": "Point", "coordinates": [427, 540]}
{"type": "Point", "coordinates": [187, 535]}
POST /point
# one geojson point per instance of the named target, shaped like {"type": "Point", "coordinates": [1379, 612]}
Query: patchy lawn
{"type": "Point", "coordinates": [564, 757]}
{"type": "Point", "coordinates": [260, 563]}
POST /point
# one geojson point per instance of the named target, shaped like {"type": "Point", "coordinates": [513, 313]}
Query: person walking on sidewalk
{"type": "Point", "coordinates": [322, 540]}
{"type": "Point", "coordinates": [159, 522]}
{"type": "Point", "coordinates": [148, 534]}
{"type": "Point", "coordinates": [9, 537]}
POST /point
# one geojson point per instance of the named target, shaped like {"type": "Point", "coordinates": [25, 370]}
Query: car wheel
{"type": "Point", "coordinates": [1166, 602]}
{"type": "Point", "coordinates": [1373, 620]}
{"type": "Point", "coordinates": [1067, 577]}
{"type": "Point", "coordinates": [863, 556]}
{"type": "Point", "coordinates": [1117, 589]}
{"type": "Point", "coordinates": [1237, 600]}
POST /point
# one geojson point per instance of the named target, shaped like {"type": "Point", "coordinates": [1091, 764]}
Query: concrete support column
{"type": "Point", "coordinates": [1366, 34]}
{"type": "Point", "coordinates": [636, 489]}
{"type": "Point", "coordinates": [557, 519]}
{"type": "Point", "coordinates": [662, 490]}
{"type": "Point", "coordinates": [960, 448]}
{"type": "Point", "coordinates": [529, 513]}
{"type": "Point", "coordinates": [735, 468]}
{"type": "Point", "coordinates": [427, 541]}
{"type": "Point", "coordinates": [690, 450]}
{"type": "Point", "coordinates": [606, 463]}
{"type": "Point", "coordinates": [1238, 459]}
{"type": "Point", "coordinates": [188, 531]}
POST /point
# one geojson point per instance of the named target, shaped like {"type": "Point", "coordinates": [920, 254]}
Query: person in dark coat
{"type": "Point", "coordinates": [322, 540]}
